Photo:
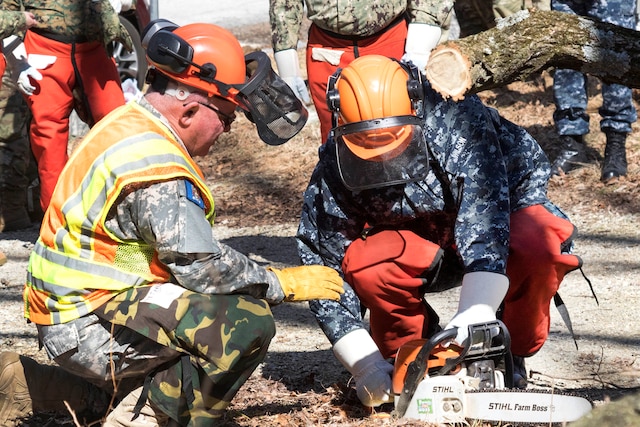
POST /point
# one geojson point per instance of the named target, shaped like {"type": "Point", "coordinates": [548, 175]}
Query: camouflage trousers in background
{"type": "Point", "coordinates": [475, 16]}
{"type": "Point", "coordinates": [194, 350]}
{"type": "Point", "coordinates": [570, 87]}
{"type": "Point", "coordinates": [15, 153]}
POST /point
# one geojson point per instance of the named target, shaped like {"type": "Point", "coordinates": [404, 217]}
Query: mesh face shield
{"type": "Point", "coordinates": [407, 163]}
{"type": "Point", "coordinates": [269, 102]}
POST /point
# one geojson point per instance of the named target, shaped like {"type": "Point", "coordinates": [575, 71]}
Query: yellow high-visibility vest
{"type": "Point", "coordinates": [77, 263]}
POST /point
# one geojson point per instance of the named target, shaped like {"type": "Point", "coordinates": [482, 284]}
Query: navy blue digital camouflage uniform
{"type": "Point", "coordinates": [483, 168]}
{"type": "Point", "coordinates": [570, 86]}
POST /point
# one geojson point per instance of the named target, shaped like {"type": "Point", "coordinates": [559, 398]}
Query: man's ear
{"type": "Point", "coordinates": [187, 113]}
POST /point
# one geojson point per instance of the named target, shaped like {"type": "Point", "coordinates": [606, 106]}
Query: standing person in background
{"type": "Point", "coordinates": [343, 31]}
{"type": "Point", "coordinates": [617, 111]}
{"type": "Point", "coordinates": [15, 153]}
{"type": "Point", "coordinates": [67, 67]}
{"type": "Point", "coordinates": [14, 145]}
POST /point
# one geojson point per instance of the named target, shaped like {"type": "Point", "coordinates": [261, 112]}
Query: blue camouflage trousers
{"type": "Point", "coordinates": [570, 86]}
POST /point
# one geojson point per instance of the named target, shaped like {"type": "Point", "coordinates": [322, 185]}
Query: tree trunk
{"type": "Point", "coordinates": [530, 41]}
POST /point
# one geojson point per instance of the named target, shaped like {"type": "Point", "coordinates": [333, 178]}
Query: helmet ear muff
{"type": "Point", "coordinates": [333, 97]}
{"type": "Point", "coordinates": [415, 87]}
{"type": "Point", "coordinates": [169, 51]}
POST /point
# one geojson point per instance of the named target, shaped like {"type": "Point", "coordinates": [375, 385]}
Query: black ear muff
{"type": "Point", "coordinates": [153, 27]}
{"type": "Point", "coordinates": [333, 97]}
{"type": "Point", "coordinates": [415, 87]}
{"type": "Point", "coordinates": [414, 84]}
{"type": "Point", "coordinates": [169, 51]}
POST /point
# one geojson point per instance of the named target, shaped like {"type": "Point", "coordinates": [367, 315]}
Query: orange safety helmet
{"type": "Point", "coordinates": [203, 56]}
{"type": "Point", "coordinates": [374, 87]}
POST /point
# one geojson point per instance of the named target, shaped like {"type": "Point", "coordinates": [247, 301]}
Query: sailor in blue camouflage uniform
{"type": "Point", "coordinates": [412, 194]}
{"type": "Point", "coordinates": [617, 111]}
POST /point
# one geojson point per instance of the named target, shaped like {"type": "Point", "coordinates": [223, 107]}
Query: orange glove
{"type": "Point", "coordinates": [309, 282]}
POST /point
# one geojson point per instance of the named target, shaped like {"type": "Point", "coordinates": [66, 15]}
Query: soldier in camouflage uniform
{"type": "Point", "coordinates": [570, 93]}
{"type": "Point", "coordinates": [415, 194]}
{"type": "Point", "coordinates": [343, 30]}
{"type": "Point", "coordinates": [130, 292]}
{"type": "Point", "coordinates": [68, 67]}
{"type": "Point", "coordinates": [14, 119]}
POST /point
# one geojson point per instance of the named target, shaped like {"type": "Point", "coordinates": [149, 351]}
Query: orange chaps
{"type": "Point", "coordinates": [385, 271]}
{"type": "Point", "coordinates": [77, 65]}
{"type": "Point", "coordinates": [389, 42]}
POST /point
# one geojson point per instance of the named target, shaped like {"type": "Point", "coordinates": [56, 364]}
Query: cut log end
{"type": "Point", "coordinates": [448, 71]}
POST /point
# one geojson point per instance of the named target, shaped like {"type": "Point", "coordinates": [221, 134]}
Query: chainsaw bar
{"type": "Point", "coordinates": [524, 407]}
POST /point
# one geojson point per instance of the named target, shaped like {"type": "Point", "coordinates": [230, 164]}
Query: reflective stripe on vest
{"type": "Point", "coordinates": [77, 263]}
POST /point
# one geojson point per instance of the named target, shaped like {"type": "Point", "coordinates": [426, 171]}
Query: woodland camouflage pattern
{"type": "Point", "coordinates": [11, 23]}
{"type": "Point", "coordinates": [14, 118]}
{"type": "Point", "coordinates": [226, 335]}
{"type": "Point", "coordinates": [348, 17]}
{"type": "Point", "coordinates": [491, 168]}
{"type": "Point", "coordinates": [80, 19]}
{"type": "Point", "coordinates": [14, 143]}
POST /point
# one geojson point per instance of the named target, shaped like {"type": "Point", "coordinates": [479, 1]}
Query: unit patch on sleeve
{"type": "Point", "coordinates": [193, 194]}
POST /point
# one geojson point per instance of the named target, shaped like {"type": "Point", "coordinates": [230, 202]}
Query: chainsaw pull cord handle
{"type": "Point", "coordinates": [418, 367]}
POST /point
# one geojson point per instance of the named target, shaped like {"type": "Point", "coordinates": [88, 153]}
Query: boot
{"type": "Point", "coordinates": [519, 373]}
{"type": "Point", "coordinates": [615, 157]}
{"type": "Point", "coordinates": [572, 155]}
{"type": "Point", "coordinates": [27, 386]}
{"type": "Point", "coordinates": [123, 414]}
{"type": "Point", "coordinates": [13, 210]}
{"type": "Point", "coordinates": [3, 258]}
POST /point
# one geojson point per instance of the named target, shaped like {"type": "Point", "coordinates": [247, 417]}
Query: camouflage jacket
{"type": "Point", "coordinates": [79, 20]}
{"type": "Point", "coordinates": [169, 217]}
{"type": "Point", "coordinates": [346, 17]}
{"type": "Point", "coordinates": [11, 22]}
{"type": "Point", "coordinates": [483, 167]}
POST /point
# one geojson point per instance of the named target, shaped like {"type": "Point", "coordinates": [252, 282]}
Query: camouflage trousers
{"type": "Point", "coordinates": [475, 16]}
{"type": "Point", "coordinates": [15, 152]}
{"type": "Point", "coordinates": [191, 351]}
{"type": "Point", "coordinates": [570, 87]}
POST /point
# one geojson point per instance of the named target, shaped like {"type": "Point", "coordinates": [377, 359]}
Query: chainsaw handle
{"type": "Point", "coordinates": [440, 338]}
{"type": "Point", "coordinates": [418, 367]}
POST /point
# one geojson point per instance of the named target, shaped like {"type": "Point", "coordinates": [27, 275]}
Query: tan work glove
{"type": "Point", "coordinates": [309, 282]}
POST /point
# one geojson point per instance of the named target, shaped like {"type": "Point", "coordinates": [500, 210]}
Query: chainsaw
{"type": "Point", "coordinates": [438, 382]}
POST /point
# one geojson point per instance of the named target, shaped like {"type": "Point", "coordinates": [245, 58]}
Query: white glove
{"type": "Point", "coordinates": [16, 55]}
{"type": "Point", "coordinates": [361, 357]}
{"type": "Point", "coordinates": [480, 297]}
{"type": "Point", "coordinates": [24, 80]}
{"type": "Point", "coordinates": [121, 5]}
{"type": "Point", "coordinates": [421, 39]}
{"type": "Point", "coordinates": [289, 70]}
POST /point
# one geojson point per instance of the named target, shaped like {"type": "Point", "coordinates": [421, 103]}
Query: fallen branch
{"type": "Point", "coordinates": [531, 41]}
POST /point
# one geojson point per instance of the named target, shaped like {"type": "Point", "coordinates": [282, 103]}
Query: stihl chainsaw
{"type": "Point", "coordinates": [446, 384]}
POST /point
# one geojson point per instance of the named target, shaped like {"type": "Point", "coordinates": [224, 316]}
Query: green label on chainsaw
{"type": "Point", "coordinates": [425, 406]}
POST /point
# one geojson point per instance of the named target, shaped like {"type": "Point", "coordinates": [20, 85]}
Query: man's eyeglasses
{"type": "Point", "coordinates": [226, 119]}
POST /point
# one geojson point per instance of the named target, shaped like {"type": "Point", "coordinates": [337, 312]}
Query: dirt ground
{"type": "Point", "coordinates": [258, 194]}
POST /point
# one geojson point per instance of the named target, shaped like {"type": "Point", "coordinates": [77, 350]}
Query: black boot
{"type": "Point", "coordinates": [572, 155]}
{"type": "Point", "coordinates": [615, 157]}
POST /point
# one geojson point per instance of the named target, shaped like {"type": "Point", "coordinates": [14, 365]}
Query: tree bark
{"type": "Point", "coordinates": [531, 41]}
